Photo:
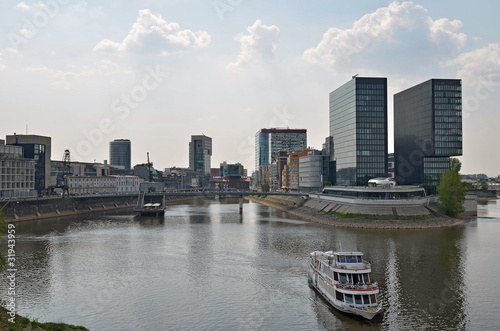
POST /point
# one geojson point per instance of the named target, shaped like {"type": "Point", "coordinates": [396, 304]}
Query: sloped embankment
{"type": "Point", "coordinates": [344, 215]}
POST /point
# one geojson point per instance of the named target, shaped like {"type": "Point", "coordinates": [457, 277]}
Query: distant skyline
{"type": "Point", "coordinates": [157, 72]}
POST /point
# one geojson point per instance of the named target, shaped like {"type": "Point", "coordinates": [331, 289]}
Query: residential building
{"type": "Point", "coordinates": [200, 158]}
{"type": "Point", "coordinates": [120, 153]}
{"type": "Point", "coordinates": [358, 125]}
{"type": "Point", "coordinates": [427, 131]}
{"type": "Point", "coordinates": [17, 174]}
{"type": "Point", "coordinates": [293, 168]}
{"type": "Point", "coordinates": [37, 148]}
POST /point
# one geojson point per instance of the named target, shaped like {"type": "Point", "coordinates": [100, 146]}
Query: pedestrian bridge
{"type": "Point", "coordinates": [212, 194]}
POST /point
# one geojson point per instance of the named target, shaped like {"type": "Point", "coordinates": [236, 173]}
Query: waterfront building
{"type": "Point", "coordinates": [179, 178]}
{"type": "Point", "coordinates": [390, 166]}
{"type": "Point", "coordinates": [329, 164]}
{"type": "Point", "coordinates": [358, 125]}
{"type": "Point", "coordinates": [293, 168]}
{"type": "Point", "coordinates": [200, 158]}
{"type": "Point", "coordinates": [311, 172]}
{"type": "Point", "coordinates": [37, 148]}
{"type": "Point", "coordinates": [83, 185]}
{"type": "Point", "coordinates": [17, 174]}
{"type": "Point", "coordinates": [268, 143]}
{"type": "Point", "coordinates": [427, 131]}
{"type": "Point", "coordinates": [229, 176]}
{"type": "Point", "coordinates": [120, 153]}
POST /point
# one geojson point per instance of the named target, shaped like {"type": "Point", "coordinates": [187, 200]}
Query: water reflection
{"type": "Point", "coordinates": [203, 266]}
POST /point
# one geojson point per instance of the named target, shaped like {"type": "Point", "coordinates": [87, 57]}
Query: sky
{"type": "Point", "coordinates": [156, 72]}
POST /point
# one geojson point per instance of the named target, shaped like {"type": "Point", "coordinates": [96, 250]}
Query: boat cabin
{"type": "Point", "coordinates": [349, 257]}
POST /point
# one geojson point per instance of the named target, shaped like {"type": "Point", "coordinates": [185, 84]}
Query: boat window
{"type": "Point", "coordinates": [351, 259]}
{"type": "Point", "coordinates": [348, 298]}
{"type": "Point", "coordinates": [339, 296]}
{"type": "Point", "coordinates": [342, 259]}
{"type": "Point", "coordinates": [358, 300]}
{"type": "Point", "coordinates": [336, 276]}
{"type": "Point", "coordinates": [360, 260]}
{"type": "Point", "coordinates": [366, 299]}
{"type": "Point", "coordinates": [343, 277]}
{"type": "Point", "coordinates": [373, 298]}
{"type": "Point", "coordinates": [355, 278]}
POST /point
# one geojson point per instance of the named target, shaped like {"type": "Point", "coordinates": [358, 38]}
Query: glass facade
{"type": "Point", "coordinates": [358, 125]}
{"type": "Point", "coordinates": [120, 153]}
{"type": "Point", "coordinates": [268, 144]}
{"type": "Point", "coordinates": [200, 158]}
{"type": "Point", "coordinates": [427, 131]}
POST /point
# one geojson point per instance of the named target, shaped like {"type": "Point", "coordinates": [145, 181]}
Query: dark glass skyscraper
{"type": "Point", "coordinates": [120, 152]}
{"type": "Point", "coordinates": [358, 125]}
{"type": "Point", "coordinates": [427, 131]}
{"type": "Point", "coordinates": [200, 158]}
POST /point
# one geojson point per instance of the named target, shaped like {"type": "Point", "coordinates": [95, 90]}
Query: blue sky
{"type": "Point", "coordinates": [157, 72]}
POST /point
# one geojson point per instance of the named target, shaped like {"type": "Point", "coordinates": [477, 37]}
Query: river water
{"type": "Point", "coordinates": [205, 267]}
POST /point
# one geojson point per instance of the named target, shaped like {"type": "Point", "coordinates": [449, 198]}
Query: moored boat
{"type": "Point", "coordinates": [343, 280]}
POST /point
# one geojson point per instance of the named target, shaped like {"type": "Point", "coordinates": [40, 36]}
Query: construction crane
{"type": "Point", "coordinates": [64, 172]}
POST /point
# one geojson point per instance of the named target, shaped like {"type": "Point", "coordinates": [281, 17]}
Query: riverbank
{"type": "Point", "coordinates": [46, 208]}
{"type": "Point", "coordinates": [295, 206]}
{"type": "Point", "coordinates": [25, 324]}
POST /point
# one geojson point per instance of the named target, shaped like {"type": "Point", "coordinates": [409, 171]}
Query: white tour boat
{"type": "Point", "coordinates": [343, 279]}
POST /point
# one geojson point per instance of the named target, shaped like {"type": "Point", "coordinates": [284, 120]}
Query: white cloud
{"type": "Point", "coordinates": [401, 25]}
{"type": "Point", "coordinates": [260, 42]}
{"type": "Point", "coordinates": [66, 79]}
{"type": "Point", "coordinates": [23, 6]}
{"type": "Point", "coordinates": [480, 66]}
{"type": "Point", "coordinates": [152, 34]}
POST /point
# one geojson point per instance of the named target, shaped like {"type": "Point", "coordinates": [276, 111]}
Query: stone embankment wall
{"type": "Point", "coordinates": [23, 210]}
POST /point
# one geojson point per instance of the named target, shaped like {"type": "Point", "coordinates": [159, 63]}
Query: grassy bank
{"type": "Point", "coordinates": [20, 323]}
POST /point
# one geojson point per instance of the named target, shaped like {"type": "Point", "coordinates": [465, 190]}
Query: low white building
{"type": "Point", "coordinates": [127, 184]}
{"type": "Point", "coordinates": [311, 172]}
{"type": "Point", "coordinates": [103, 184]}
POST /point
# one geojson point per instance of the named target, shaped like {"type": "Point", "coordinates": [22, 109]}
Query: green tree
{"type": "Point", "coordinates": [455, 164]}
{"type": "Point", "coordinates": [483, 186]}
{"type": "Point", "coordinates": [327, 183]}
{"type": "Point", "coordinates": [451, 192]}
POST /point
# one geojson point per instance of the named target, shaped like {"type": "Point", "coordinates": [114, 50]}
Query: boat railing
{"type": "Point", "coordinates": [343, 265]}
{"type": "Point", "coordinates": [360, 287]}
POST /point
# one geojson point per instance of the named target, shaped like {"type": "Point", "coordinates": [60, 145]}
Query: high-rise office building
{"type": "Point", "coordinates": [200, 158]}
{"type": "Point", "coordinates": [120, 153]}
{"type": "Point", "coordinates": [427, 131]}
{"type": "Point", "coordinates": [358, 125]}
{"type": "Point", "coordinates": [37, 148]}
{"type": "Point", "coordinates": [268, 143]}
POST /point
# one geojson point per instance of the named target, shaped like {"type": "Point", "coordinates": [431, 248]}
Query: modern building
{"type": "Point", "coordinates": [329, 164]}
{"type": "Point", "coordinates": [427, 131]}
{"type": "Point", "coordinates": [200, 158]}
{"type": "Point", "coordinates": [268, 144]}
{"type": "Point", "coordinates": [311, 172]}
{"type": "Point", "coordinates": [17, 174]}
{"type": "Point", "coordinates": [37, 148]}
{"type": "Point", "coordinates": [120, 153]}
{"type": "Point", "coordinates": [358, 125]}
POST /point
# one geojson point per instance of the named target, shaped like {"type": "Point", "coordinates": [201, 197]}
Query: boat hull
{"type": "Point", "coordinates": [342, 307]}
